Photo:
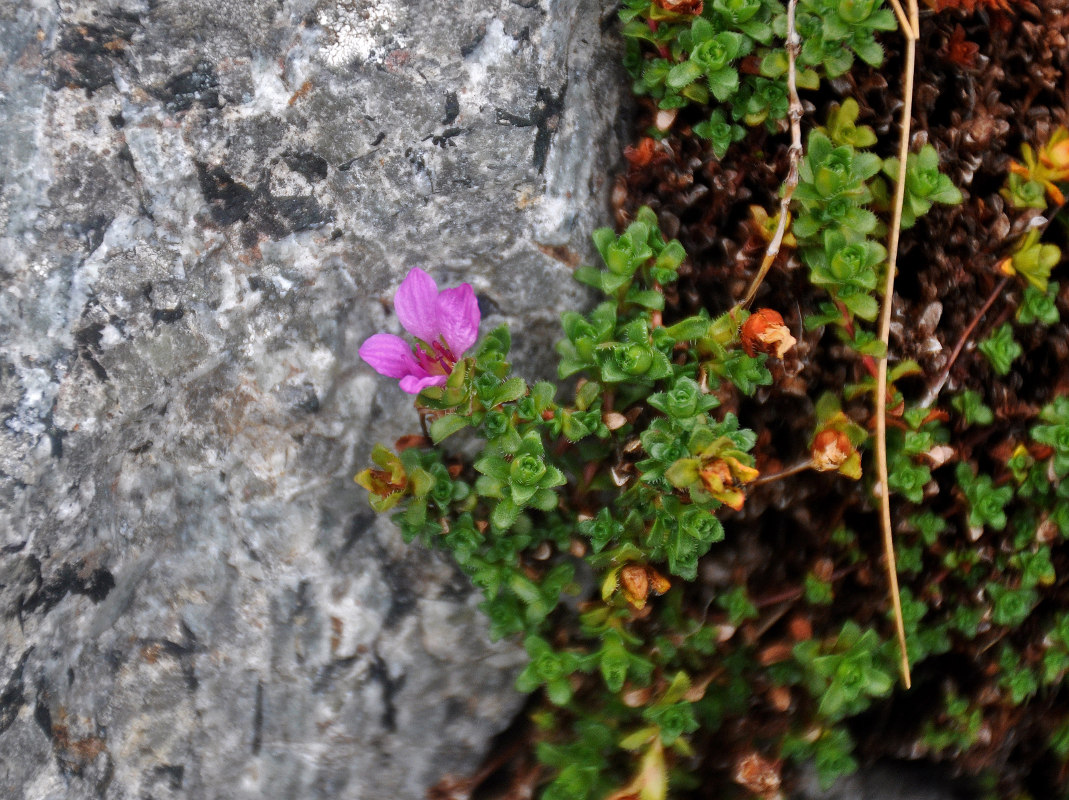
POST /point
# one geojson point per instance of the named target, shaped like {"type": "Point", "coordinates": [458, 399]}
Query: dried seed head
{"type": "Point", "coordinates": [758, 774]}
{"type": "Point", "coordinates": [764, 332]}
{"type": "Point", "coordinates": [830, 450]}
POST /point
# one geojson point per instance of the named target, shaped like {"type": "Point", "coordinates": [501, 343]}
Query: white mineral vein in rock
{"type": "Point", "coordinates": [359, 29]}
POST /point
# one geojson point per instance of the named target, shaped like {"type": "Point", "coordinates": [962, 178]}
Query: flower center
{"type": "Point", "coordinates": [440, 361]}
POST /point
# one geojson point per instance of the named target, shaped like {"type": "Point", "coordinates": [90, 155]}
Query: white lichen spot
{"type": "Point", "coordinates": [493, 51]}
{"type": "Point", "coordinates": [361, 30]}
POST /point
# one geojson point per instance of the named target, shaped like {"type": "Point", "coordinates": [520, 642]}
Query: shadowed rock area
{"type": "Point", "coordinates": [205, 207]}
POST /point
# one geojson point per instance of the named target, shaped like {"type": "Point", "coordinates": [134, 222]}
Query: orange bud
{"type": "Point", "coordinates": [658, 583]}
{"type": "Point", "coordinates": [635, 583]}
{"type": "Point", "coordinates": [764, 332]}
{"type": "Point", "coordinates": [639, 582]}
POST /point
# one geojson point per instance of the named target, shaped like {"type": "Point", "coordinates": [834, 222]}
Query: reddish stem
{"type": "Point", "coordinates": [944, 374]}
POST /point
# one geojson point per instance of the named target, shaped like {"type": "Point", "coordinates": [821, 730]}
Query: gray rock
{"type": "Point", "coordinates": [205, 208]}
{"type": "Point", "coordinates": [889, 780]}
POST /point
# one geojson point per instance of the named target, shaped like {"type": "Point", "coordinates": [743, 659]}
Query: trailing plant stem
{"type": "Point", "coordinates": [910, 32]}
{"type": "Point", "coordinates": [944, 374]}
{"type": "Point", "coordinates": [793, 47]}
{"type": "Point", "coordinates": [786, 473]}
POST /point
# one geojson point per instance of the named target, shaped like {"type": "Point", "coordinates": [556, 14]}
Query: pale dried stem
{"type": "Point", "coordinates": [794, 46]}
{"type": "Point", "coordinates": [909, 30]}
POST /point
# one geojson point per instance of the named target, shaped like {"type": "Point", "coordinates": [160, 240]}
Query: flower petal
{"type": "Point", "coordinates": [458, 318]}
{"type": "Point", "coordinates": [390, 355]}
{"type": "Point", "coordinates": [416, 304]}
{"type": "Point", "coordinates": [414, 384]}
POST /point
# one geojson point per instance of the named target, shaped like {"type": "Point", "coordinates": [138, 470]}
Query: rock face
{"type": "Point", "coordinates": [206, 206]}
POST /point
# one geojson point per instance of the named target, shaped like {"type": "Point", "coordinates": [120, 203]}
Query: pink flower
{"type": "Point", "coordinates": [444, 323]}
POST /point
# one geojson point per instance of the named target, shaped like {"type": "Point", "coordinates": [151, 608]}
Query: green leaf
{"type": "Point", "coordinates": [724, 83]}
{"type": "Point", "coordinates": [510, 390]}
{"type": "Point", "coordinates": [870, 51]}
{"type": "Point", "coordinates": [504, 514]}
{"type": "Point", "coordinates": [689, 329]}
{"type": "Point", "coordinates": [682, 74]}
{"type": "Point", "coordinates": [494, 467]}
{"type": "Point", "coordinates": [862, 305]}
{"type": "Point", "coordinates": [446, 426]}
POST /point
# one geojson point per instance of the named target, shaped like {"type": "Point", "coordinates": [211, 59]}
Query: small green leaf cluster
{"type": "Point", "coordinates": [1056, 656]}
{"type": "Point", "coordinates": [680, 58]}
{"type": "Point", "coordinates": [986, 501]}
{"type": "Point", "coordinates": [719, 132]}
{"type": "Point", "coordinates": [696, 57]}
{"type": "Point", "coordinates": [525, 480]}
{"type": "Point", "coordinates": [831, 751]}
{"type": "Point", "coordinates": [956, 728]}
{"type": "Point", "coordinates": [849, 673]}
{"type": "Point", "coordinates": [907, 451]}
{"type": "Point", "coordinates": [832, 189]}
{"type": "Point", "coordinates": [1001, 349]}
{"type": "Point", "coordinates": [970, 405]}
{"type": "Point", "coordinates": [1054, 432]}
{"type": "Point", "coordinates": [836, 229]}
{"type": "Point", "coordinates": [1038, 305]}
{"type": "Point", "coordinates": [1033, 260]}
{"type": "Point", "coordinates": [1016, 678]}
{"type": "Point", "coordinates": [833, 32]}
{"type": "Point", "coordinates": [842, 128]}
{"type": "Point", "coordinates": [927, 634]}
{"type": "Point", "coordinates": [925, 184]}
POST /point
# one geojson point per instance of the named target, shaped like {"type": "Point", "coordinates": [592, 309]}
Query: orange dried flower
{"type": "Point", "coordinates": [830, 450]}
{"type": "Point", "coordinates": [764, 332]}
{"type": "Point", "coordinates": [724, 477]}
{"type": "Point", "coordinates": [648, 151]}
{"type": "Point", "coordinates": [689, 7]}
{"type": "Point", "coordinates": [759, 775]}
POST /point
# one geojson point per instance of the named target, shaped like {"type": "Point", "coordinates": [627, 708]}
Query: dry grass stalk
{"type": "Point", "coordinates": [909, 30]}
